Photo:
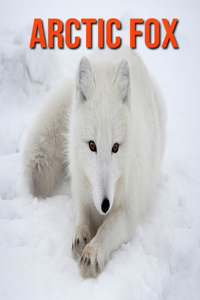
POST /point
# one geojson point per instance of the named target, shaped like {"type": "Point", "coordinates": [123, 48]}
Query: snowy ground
{"type": "Point", "coordinates": [162, 261]}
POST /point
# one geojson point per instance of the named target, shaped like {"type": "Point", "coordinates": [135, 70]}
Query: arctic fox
{"type": "Point", "coordinates": [106, 130]}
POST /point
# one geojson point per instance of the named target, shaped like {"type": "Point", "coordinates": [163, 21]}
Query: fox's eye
{"type": "Point", "coordinates": [92, 146]}
{"type": "Point", "coordinates": [115, 148]}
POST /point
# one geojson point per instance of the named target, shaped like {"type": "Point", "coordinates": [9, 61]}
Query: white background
{"type": "Point", "coordinates": [162, 261]}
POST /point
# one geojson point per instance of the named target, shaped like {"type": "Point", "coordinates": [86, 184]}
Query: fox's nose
{"type": "Point", "coordinates": [105, 205]}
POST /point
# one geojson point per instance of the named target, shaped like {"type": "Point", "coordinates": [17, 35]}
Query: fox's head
{"type": "Point", "coordinates": [101, 117]}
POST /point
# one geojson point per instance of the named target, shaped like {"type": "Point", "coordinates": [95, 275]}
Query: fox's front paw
{"type": "Point", "coordinates": [81, 238]}
{"type": "Point", "coordinates": [92, 261]}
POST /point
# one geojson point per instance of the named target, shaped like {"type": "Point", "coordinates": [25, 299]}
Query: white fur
{"type": "Point", "coordinates": [114, 101]}
{"type": "Point", "coordinates": [44, 158]}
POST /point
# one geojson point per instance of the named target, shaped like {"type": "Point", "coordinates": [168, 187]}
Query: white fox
{"type": "Point", "coordinates": [107, 131]}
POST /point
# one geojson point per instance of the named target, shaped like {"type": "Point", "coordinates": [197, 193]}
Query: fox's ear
{"type": "Point", "coordinates": [121, 80]}
{"type": "Point", "coordinates": [85, 79]}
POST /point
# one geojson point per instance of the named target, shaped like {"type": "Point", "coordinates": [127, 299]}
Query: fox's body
{"type": "Point", "coordinates": [111, 144]}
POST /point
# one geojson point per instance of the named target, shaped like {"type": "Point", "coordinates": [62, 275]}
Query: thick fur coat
{"type": "Point", "coordinates": [106, 130]}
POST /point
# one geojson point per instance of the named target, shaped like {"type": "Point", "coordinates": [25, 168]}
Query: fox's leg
{"type": "Point", "coordinates": [81, 235]}
{"type": "Point", "coordinates": [115, 230]}
{"type": "Point", "coordinates": [83, 231]}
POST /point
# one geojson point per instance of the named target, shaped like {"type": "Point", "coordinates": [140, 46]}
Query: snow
{"type": "Point", "coordinates": [162, 260]}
